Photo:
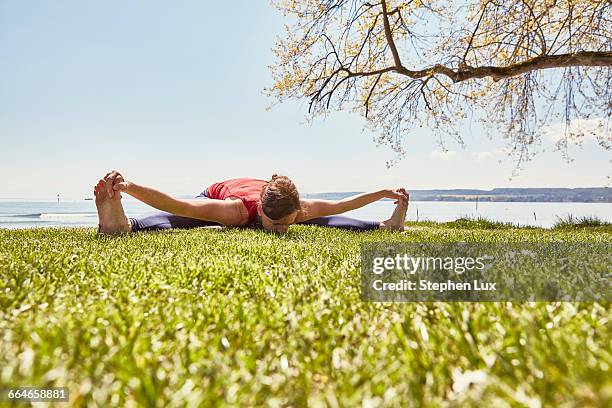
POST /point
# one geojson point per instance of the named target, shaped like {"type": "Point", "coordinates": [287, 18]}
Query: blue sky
{"type": "Point", "coordinates": [170, 93]}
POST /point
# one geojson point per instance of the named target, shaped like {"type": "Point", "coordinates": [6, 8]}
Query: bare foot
{"type": "Point", "coordinates": [396, 222]}
{"type": "Point", "coordinates": [111, 218]}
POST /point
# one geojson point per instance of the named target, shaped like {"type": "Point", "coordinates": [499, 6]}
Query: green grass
{"type": "Point", "coordinates": [470, 222]}
{"type": "Point", "coordinates": [241, 317]}
{"type": "Point", "coordinates": [588, 221]}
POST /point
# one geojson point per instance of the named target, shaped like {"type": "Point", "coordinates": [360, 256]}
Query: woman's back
{"type": "Point", "coordinates": [248, 190]}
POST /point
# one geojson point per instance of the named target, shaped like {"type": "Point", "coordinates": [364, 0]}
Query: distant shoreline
{"type": "Point", "coordinates": [500, 195]}
{"type": "Point", "coordinates": [509, 195]}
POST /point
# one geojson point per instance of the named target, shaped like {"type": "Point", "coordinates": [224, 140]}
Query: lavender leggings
{"type": "Point", "coordinates": [163, 220]}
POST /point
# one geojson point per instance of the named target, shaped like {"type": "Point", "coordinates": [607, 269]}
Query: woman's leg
{"type": "Point", "coordinates": [164, 220]}
{"type": "Point", "coordinates": [339, 221]}
{"type": "Point", "coordinates": [394, 223]}
{"type": "Point", "coordinates": [112, 218]}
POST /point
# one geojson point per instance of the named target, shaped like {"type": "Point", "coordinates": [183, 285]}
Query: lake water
{"type": "Point", "coordinates": [25, 214]}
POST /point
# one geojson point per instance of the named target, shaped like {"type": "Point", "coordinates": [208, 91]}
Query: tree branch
{"type": "Point", "coordinates": [389, 36]}
{"type": "Point", "coordinates": [582, 58]}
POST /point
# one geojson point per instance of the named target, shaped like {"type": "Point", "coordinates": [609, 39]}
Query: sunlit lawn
{"type": "Point", "coordinates": [241, 317]}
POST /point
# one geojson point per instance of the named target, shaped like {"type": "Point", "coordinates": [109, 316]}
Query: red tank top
{"type": "Point", "coordinates": [248, 190]}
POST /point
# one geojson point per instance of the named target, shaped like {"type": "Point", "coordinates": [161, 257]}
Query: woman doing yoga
{"type": "Point", "coordinates": [273, 205]}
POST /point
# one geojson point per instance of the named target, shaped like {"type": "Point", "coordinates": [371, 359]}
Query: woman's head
{"type": "Point", "coordinates": [279, 204]}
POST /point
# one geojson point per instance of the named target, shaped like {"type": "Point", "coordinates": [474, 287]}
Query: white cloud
{"type": "Point", "coordinates": [444, 155]}
{"type": "Point", "coordinates": [579, 129]}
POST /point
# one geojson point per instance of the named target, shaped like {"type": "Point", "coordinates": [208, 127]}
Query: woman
{"type": "Point", "coordinates": [272, 205]}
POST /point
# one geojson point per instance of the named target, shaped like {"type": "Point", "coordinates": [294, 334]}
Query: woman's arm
{"type": "Point", "coordinates": [319, 208]}
{"type": "Point", "coordinates": [226, 212]}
